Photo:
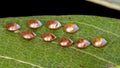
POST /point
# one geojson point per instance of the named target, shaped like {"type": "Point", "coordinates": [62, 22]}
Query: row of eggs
{"type": "Point", "coordinates": [54, 24]}
{"type": "Point", "coordinates": [51, 24]}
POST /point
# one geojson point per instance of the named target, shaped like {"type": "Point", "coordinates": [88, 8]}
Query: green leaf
{"type": "Point", "coordinates": [16, 52]}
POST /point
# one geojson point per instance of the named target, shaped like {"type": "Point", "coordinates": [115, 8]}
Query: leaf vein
{"type": "Point", "coordinates": [105, 60]}
{"type": "Point", "coordinates": [24, 62]}
{"type": "Point", "coordinates": [85, 52]}
{"type": "Point", "coordinates": [101, 29]}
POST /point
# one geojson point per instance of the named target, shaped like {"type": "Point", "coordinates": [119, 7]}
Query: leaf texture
{"type": "Point", "coordinates": [16, 52]}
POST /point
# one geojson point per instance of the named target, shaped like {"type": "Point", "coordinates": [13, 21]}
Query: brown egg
{"type": "Point", "coordinates": [71, 28]}
{"type": "Point", "coordinates": [34, 24]}
{"type": "Point", "coordinates": [82, 43]}
{"type": "Point", "coordinates": [12, 26]}
{"type": "Point", "coordinates": [53, 24]}
{"type": "Point", "coordinates": [28, 34]}
{"type": "Point", "coordinates": [48, 36]}
{"type": "Point", "coordinates": [65, 41]}
{"type": "Point", "coordinates": [99, 42]}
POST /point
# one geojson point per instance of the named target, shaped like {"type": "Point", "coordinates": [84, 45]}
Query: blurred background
{"type": "Point", "coordinates": [48, 7]}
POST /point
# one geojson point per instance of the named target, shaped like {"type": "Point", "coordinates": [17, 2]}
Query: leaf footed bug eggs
{"type": "Point", "coordinates": [48, 36]}
{"type": "Point", "coordinates": [28, 34]}
{"type": "Point", "coordinates": [71, 28]}
{"type": "Point", "coordinates": [82, 43]}
{"type": "Point", "coordinates": [34, 24]}
{"type": "Point", "coordinates": [99, 42]}
{"type": "Point", "coordinates": [12, 26]}
{"type": "Point", "coordinates": [65, 41]}
{"type": "Point", "coordinates": [53, 24]}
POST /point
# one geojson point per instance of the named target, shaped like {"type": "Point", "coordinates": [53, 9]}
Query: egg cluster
{"type": "Point", "coordinates": [48, 36]}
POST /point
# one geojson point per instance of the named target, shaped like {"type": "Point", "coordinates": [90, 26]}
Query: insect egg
{"type": "Point", "coordinates": [82, 43]}
{"type": "Point", "coordinates": [99, 42]}
{"type": "Point", "coordinates": [28, 34]}
{"type": "Point", "coordinates": [71, 28]}
{"type": "Point", "coordinates": [34, 24]}
{"type": "Point", "coordinates": [53, 24]}
{"type": "Point", "coordinates": [65, 41]}
{"type": "Point", "coordinates": [13, 26]}
{"type": "Point", "coordinates": [48, 36]}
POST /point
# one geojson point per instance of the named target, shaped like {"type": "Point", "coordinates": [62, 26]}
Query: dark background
{"type": "Point", "coordinates": [48, 7]}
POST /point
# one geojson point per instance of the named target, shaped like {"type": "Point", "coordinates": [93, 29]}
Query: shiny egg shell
{"type": "Point", "coordinates": [64, 41]}
{"type": "Point", "coordinates": [12, 26]}
{"type": "Point", "coordinates": [99, 42]}
{"type": "Point", "coordinates": [48, 36]}
{"type": "Point", "coordinates": [28, 34]}
{"type": "Point", "coordinates": [82, 43]}
{"type": "Point", "coordinates": [53, 24]}
{"type": "Point", "coordinates": [71, 28]}
{"type": "Point", "coordinates": [34, 24]}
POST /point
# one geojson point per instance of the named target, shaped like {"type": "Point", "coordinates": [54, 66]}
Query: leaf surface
{"type": "Point", "coordinates": [16, 52]}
